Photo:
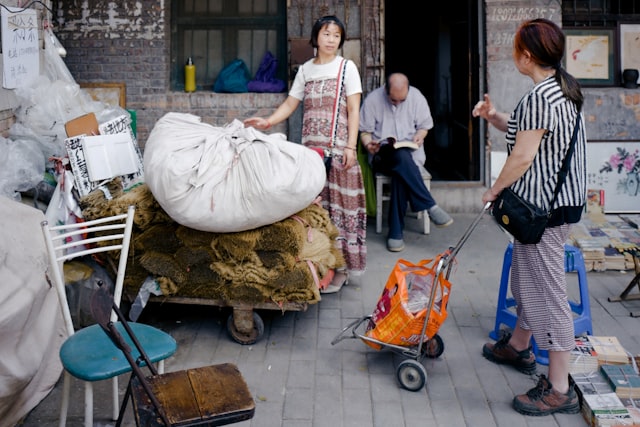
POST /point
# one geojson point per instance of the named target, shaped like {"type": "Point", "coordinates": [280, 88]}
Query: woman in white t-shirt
{"type": "Point", "coordinates": [330, 89]}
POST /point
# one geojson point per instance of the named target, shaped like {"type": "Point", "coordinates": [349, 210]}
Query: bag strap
{"type": "Point", "coordinates": [336, 104]}
{"type": "Point", "coordinates": [564, 171]}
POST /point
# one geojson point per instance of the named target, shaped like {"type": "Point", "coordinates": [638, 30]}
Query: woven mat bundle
{"type": "Point", "coordinates": [274, 263]}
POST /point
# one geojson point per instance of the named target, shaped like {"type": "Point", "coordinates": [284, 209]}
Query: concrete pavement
{"type": "Point", "coordinates": [299, 379]}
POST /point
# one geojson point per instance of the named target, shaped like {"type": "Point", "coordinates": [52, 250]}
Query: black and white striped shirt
{"type": "Point", "coordinates": [546, 107]}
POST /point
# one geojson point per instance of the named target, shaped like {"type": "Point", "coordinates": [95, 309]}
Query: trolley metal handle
{"type": "Point", "coordinates": [444, 262]}
{"type": "Point", "coordinates": [451, 253]}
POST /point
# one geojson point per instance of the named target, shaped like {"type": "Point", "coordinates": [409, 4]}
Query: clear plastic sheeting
{"type": "Point", "coordinates": [23, 167]}
{"type": "Point", "coordinates": [44, 107]}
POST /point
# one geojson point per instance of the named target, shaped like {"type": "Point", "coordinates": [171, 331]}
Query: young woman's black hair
{"type": "Point", "coordinates": [320, 23]}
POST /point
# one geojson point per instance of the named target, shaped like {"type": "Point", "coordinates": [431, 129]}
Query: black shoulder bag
{"type": "Point", "coordinates": [524, 220]}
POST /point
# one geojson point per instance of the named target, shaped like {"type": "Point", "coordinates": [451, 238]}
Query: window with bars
{"type": "Point", "coordinates": [213, 33]}
{"type": "Point", "coordinates": [599, 13]}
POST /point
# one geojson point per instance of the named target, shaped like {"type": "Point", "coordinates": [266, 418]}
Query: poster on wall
{"type": "Point", "coordinates": [590, 56]}
{"type": "Point", "coordinates": [614, 167]}
{"type": "Point", "coordinates": [629, 47]}
{"type": "Point", "coordinates": [20, 52]}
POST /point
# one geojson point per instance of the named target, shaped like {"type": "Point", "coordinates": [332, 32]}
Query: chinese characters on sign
{"type": "Point", "coordinates": [20, 52]}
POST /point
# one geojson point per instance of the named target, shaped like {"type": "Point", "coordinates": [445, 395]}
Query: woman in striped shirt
{"type": "Point", "coordinates": [538, 135]}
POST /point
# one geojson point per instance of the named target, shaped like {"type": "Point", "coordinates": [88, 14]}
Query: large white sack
{"type": "Point", "coordinates": [228, 179]}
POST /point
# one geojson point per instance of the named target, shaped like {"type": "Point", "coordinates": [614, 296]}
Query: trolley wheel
{"type": "Point", "coordinates": [411, 374]}
{"type": "Point", "coordinates": [434, 347]}
{"type": "Point", "coordinates": [241, 330]}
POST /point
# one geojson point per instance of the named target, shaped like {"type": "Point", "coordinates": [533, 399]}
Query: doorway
{"type": "Point", "coordinates": [447, 42]}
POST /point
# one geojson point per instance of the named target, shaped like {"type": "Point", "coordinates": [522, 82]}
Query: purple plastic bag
{"type": "Point", "coordinates": [265, 80]}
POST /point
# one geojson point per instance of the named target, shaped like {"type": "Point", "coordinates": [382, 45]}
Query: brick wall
{"type": "Point", "coordinates": [612, 113]}
{"type": "Point", "coordinates": [121, 46]}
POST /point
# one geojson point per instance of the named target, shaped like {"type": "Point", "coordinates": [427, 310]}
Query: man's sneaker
{"type": "Point", "coordinates": [440, 217]}
{"type": "Point", "coordinates": [544, 400]}
{"type": "Point", "coordinates": [395, 245]}
{"type": "Point", "coordinates": [502, 352]}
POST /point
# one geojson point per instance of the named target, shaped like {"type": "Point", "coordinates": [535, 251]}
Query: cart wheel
{"type": "Point", "coordinates": [411, 374]}
{"type": "Point", "coordinates": [434, 347]}
{"type": "Point", "coordinates": [251, 336]}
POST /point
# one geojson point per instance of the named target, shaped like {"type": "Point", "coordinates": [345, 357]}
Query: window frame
{"type": "Point", "coordinates": [230, 26]}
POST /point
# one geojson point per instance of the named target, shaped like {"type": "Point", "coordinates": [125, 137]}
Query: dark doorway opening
{"type": "Point", "coordinates": [438, 52]}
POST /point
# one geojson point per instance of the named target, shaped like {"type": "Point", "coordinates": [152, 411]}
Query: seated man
{"type": "Point", "coordinates": [398, 111]}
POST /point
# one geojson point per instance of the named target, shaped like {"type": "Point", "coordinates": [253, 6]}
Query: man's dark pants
{"type": "Point", "coordinates": [407, 185]}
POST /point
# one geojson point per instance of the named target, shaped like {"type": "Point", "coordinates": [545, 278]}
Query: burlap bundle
{"type": "Point", "coordinates": [284, 236]}
{"type": "Point", "coordinates": [192, 237]}
{"type": "Point", "coordinates": [159, 238]}
{"type": "Point", "coordinates": [114, 200]}
{"type": "Point", "coordinates": [234, 246]}
{"type": "Point", "coordinates": [162, 264]}
{"type": "Point", "coordinates": [267, 264]}
{"type": "Point", "coordinates": [285, 288]}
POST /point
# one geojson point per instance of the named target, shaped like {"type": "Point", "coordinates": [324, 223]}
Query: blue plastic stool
{"type": "Point", "coordinates": [573, 261]}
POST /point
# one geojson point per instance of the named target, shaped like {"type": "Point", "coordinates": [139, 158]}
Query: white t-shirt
{"type": "Point", "coordinates": [310, 71]}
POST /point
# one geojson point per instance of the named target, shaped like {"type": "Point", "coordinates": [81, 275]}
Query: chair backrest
{"type": "Point", "coordinates": [103, 307]}
{"type": "Point", "coordinates": [67, 241]}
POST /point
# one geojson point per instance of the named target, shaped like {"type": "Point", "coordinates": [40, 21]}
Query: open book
{"type": "Point", "coordinates": [399, 144]}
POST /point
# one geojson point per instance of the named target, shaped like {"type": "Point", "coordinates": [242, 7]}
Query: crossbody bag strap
{"type": "Point", "coordinates": [564, 171]}
{"type": "Point", "coordinates": [336, 104]}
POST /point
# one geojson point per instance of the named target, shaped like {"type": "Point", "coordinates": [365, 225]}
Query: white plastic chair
{"type": "Point", "coordinates": [383, 196]}
{"type": "Point", "coordinates": [88, 354]}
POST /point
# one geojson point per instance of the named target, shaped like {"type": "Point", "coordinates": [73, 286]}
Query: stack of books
{"type": "Point", "coordinates": [592, 351]}
{"type": "Point", "coordinates": [584, 358]}
{"type": "Point", "coordinates": [600, 405]}
{"type": "Point", "coordinates": [633, 406]}
{"type": "Point", "coordinates": [609, 350]}
{"type": "Point", "coordinates": [614, 259]}
{"type": "Point", "coordinates": [592, 253]}
{"type": "Point", "coordinates": [606, 382]}
{"type": "Point", "coordinates": [607, 242]}
{"type": "Point", "coordinates": [623, 379]}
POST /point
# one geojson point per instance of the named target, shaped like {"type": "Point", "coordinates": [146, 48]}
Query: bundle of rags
{"type": "Point", "coordinates": [281, 262]}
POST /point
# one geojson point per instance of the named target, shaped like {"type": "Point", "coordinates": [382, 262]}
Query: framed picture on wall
{"type": "Point", "coordinates": [590, 56]}
{"type": "Point", "coordinates": [614, 166]}
{"type": "Point", "coordinates": [630, 47]}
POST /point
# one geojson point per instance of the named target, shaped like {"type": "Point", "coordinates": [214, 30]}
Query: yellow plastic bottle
{"type": "Point", "coordinates": [189, 76]}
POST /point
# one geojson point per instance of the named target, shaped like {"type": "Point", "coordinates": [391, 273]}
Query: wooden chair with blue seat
{"type": "Point", "coordinates": [212, 395]}
{"type": "Point", "coordinates": [88, 354]}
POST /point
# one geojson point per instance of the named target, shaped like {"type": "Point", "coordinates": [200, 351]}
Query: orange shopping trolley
{"type": "Point", "coordinates": [409, 313]}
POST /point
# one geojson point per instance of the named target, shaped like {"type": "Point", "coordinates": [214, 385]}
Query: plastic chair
{"type": "Point", "coordinates": [210, 395]}
{"type": "Point", "coordinates": [87, 354]}
{"type": "Point", "coordinates": [582, 324]}
{"type": "Point", "coordinates": [382, 196]}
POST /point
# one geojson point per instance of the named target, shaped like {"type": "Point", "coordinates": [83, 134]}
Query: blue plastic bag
{"type": "Point", "coordinates": [233, 78]}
